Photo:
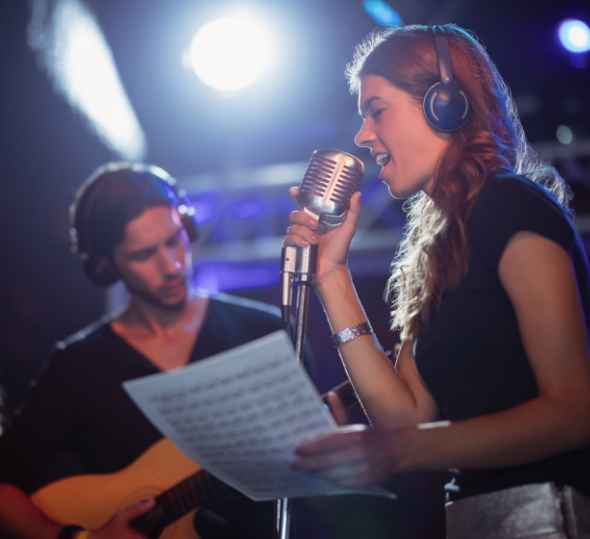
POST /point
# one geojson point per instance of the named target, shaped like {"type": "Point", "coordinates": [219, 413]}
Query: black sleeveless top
{"type": "Point", "coordinates": [470, 353]}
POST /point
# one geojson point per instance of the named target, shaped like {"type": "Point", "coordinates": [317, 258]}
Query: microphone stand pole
{"type": "Point", "coordinates": [304, 263]}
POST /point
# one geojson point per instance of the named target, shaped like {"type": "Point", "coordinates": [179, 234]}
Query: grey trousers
{"type": "Point", "coordinates": [540, 511]}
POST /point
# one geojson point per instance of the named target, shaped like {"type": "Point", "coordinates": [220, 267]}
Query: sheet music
{"type": "Point", "coordinates": [240, 414]}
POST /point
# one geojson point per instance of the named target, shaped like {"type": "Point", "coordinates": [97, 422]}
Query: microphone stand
{"type": "Point", "coordinates": [300, 261]}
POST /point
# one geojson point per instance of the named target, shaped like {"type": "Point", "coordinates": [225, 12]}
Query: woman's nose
{"type": "Point", "coordinates": [364, 136]}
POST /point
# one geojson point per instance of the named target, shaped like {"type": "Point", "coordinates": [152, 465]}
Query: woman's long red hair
{"type": "Point", "coordinates": [433, 253]}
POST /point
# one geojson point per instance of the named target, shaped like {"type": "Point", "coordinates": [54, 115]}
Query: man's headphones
{"type": "Point", "coordinates": [100, 269]}
{"type": "Point", "coordinates": [445, 105]}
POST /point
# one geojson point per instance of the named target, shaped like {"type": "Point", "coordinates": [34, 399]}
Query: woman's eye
{"type": "Point", "coordinates": [376, 113]}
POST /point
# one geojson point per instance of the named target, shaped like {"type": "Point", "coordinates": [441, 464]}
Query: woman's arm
{"type": "Point", "coordinates": [539, 278]}
{"type": "Point", "coordinates": [391, 397]}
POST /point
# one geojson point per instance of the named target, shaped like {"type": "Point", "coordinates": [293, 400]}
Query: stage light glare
{"type": "Point", "coordinates": [230, 53]}
{"type": "Point", "coordinates": [78, 58]}
{"type": "Point", "coordinates": [574, 35]}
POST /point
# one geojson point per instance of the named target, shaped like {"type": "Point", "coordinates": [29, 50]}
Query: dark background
{"type": "Point", "coordinates": [47, 147]}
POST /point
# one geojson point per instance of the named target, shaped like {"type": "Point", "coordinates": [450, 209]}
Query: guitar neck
{"type": "Point", "coordinates": [172, 504]}
{"type": "Point", "coordinates": [189, 493]}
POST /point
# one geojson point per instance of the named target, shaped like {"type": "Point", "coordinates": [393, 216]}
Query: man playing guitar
{"type": "Point", "coordinates": [80, 460]}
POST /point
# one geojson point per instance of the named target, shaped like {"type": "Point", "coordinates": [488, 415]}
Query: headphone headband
{"type": "Point", "coordinates": [445, 64]}
{"type": "Point", "coordinates": [445, 105]}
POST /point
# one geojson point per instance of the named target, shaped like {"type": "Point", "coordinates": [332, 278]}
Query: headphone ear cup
{"type": "Point", "coordinates": [101, 270]}
{"type": "Point", "coordinates": [445, 107]}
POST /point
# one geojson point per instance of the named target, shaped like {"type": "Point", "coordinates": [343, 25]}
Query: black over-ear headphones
{"type": "Point", "coordinates": [445, 105]}
{"type": "Point", "coordinates": [100, 269]}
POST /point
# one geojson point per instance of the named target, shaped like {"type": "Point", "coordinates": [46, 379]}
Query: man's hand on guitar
{"type": "Point", "coordinates": [119, 526]}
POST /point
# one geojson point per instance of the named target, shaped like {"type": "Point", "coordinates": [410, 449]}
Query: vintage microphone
{"type": "Point", "coordinates": [331, 178]}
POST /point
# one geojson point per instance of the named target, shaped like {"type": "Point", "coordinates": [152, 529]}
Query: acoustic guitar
{"type": "Point", "coordinates": [178, 484]}
{"type": "Point", "coordinates": [92, 500]}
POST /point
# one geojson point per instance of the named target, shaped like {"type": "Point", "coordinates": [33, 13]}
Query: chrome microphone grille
{"type": "Point", "coordinates": [331, 178]}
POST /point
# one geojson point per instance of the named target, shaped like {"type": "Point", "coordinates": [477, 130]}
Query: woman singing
{"type": "Point", "coordinates": [488, 291]}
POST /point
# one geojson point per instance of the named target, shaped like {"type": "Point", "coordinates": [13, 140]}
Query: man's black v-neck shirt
{"type": "Point", "coordinates": [80, 420]}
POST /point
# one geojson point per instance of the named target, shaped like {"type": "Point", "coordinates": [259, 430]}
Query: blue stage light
{"type": "Point", "coordinates": [382, 13]}
{"type": "Point", "coordinates": [574, 35]}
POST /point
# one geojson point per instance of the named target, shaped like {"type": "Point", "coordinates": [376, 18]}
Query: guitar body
{"type": "Point", "coordinates": [163, 471]}
{"type": "Point", "coordinates": [92, 500]}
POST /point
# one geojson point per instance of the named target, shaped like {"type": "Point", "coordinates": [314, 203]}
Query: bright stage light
{"type": "Point", "coordinates": [229, 54]}
{"type": "Point", "coordinates": [574, 35]}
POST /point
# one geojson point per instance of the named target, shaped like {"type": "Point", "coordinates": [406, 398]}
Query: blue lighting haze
{"type": "Point", "coordinates": [382, 13]}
